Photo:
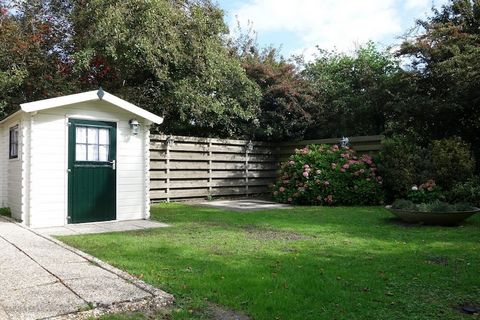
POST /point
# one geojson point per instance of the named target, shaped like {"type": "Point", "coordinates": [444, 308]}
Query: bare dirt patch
{"type": "Point", "coordinates": [440, 260]}
{"type": "Point", "coordinates": [221, 313]}
{"type": "Point", "coordinates": [254, 232]}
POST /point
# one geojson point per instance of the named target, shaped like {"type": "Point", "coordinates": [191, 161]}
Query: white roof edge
{"type": "Point", "coordinates": [10, 116]}
{"type": "Point", "coordinates": [132, 108]}
{"type": "Point", "coordinates": [90, 96]}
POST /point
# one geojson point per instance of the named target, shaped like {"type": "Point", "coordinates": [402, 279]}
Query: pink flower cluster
{"type": "Point", "coordinates": [306, 170]}
{"type": "Point", "coordinates": [329, 199]}
{"type": "Point", "coordinates": [367, 159]}
{"type": "Point", "coordinates": [429, 185]}
{"type": "Point", "coordinates": [302, 151]}
{"type": "Point", "coordinates": [308, 178]}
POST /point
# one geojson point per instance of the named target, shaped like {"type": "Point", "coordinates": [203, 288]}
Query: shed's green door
{"type": "Point", "coordinates": [91, 171]}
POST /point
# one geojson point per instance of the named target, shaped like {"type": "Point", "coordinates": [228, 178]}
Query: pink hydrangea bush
{"type": "Point", "coordinates": [328, 175]}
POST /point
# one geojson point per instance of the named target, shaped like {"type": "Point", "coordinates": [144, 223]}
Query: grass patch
{"type": "Point", "coordinates": [304, 263]}
{"type": "Point", "coordinates": [5, 212]}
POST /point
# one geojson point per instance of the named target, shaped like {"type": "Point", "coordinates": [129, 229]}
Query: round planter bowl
{"type": "Point", "coordinates": [441, 219]}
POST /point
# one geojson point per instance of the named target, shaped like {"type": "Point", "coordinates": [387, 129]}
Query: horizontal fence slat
{"type": "Point", "coordinates": [155, 137]}
{"type": "Point", "coordinates": [196, 193]}
{"type": "Point", "coordinates": [191, 165]}
{"type": "Point", "coordinates": [182, 174]}
{"type": "Point", "coordinates": [158, 146]}
{"type": "Point", "coordinates": [182, 184]}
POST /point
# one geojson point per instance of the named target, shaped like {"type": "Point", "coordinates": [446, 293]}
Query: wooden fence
{"type": "Point", "coordinates": [190, 167]}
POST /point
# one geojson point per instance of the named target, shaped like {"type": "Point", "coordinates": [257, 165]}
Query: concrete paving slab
{"type": "Point", "coordinates": [57, 231]}
{"type": "Point", "coordinates": [44, 278]}
{"type": "Point", "coordinates": [105, 291]}
{"type": "Point", "coordinates": [149, 224]}
{"type": "Point", "coordinates": [245, 205]}
{"type": "Point", "coordinates": [79, 270]}
{"type": "Point", "coordinates": [3, 314]}
{"type": "Point", "coordinates": [41, 302]}
{"type": "Point", "coordinates": [24, 275]}
{"type": "Point", "coordinates": [101, 227]}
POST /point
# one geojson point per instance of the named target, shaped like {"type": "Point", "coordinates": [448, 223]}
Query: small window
{"type": "Point", "coordinates": [92, 144]}
{"type": "Point", "coordinates": [13, 145]}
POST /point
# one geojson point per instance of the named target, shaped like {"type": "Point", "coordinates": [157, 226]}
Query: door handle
{"type": "Point", "coordinates": [114, 164]}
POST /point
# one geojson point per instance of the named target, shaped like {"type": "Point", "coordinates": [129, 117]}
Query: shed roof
{"type": "Point", "coordinates": [90, 96]}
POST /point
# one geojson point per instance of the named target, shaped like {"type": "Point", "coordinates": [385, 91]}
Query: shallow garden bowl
{"type": "Point", "coordinates": [433, 218]}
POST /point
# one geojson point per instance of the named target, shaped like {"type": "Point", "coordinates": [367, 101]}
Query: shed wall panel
{"type": "Point", "coordinates": [49, 183]}
{"type": "Point", "coordinates": [12, 170]}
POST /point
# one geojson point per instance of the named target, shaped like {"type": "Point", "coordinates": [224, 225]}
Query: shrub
{"type": "Point", "coordinates": [402, 204]}
{"type": "Point", "coordinates": [468, 192]}
{"type": "Point", "coordinates": [436, 206]}
{"type": "Point", "coordinates": [402, 165]}
{"type": "Point", "coordinates": [324, 175]}
{"type": "Point", "coordinates": [425, 193]}
{"type": "Point", "coordinates": [452, 162]}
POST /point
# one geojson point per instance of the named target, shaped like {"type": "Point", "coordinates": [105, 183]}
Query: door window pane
{"type": "Point", "coordinates": [81, 135]}
{"type": "Point", "coordinates": [102, 153]}
{"type": "Point", "coordinates": [103, 136]}
{"type": "Point", "coordinates": [92, 136]}
{"type": "Point", "coordinates": [81, 152]}
{"type": "Point", "coordinates": [92, 152]}
{"type": "Point", "coordinates": [92, 144]}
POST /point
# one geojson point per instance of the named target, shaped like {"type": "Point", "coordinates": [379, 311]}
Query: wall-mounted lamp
{"type": "Point", "coordinates": [249, 146]}
{"type": "Point", "coordinates": [344, 142]}
{"type": "Point", "coordinates": [169, 141]}
{"type": "Point", "coordinates": [134, 125]}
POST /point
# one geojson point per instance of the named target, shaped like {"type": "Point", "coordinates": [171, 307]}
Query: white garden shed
{"type": "Point", "coordinates": [74, 159]}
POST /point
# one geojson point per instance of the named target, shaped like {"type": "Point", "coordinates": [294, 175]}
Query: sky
{"type": "Point", "coordinates": [299, 26]}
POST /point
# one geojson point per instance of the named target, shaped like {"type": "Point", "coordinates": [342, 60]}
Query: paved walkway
{"type": "Point", "coordinates": [101, 227]}
{"type": "Point", "coordinates": [43, 278]}
{"type": "Point", "coordinates": [245, 204]}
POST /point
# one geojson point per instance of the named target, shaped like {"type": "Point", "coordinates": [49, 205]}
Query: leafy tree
{"type": "Point", "coordinates": [167, 56]}
{"type": "Point", "coordinates": [30, 66]}
{"type": "Point", "coordinates": [286, 104]}
{"type": "Point", "coordinates": [444, 71]}
{"type": "Point", "coordinates": [353, 92]}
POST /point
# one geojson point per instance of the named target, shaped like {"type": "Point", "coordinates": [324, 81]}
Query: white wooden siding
{"type": "Point", "coordinates": [49, 161]}
{"type": "Point", "coordinates": [11, 169]}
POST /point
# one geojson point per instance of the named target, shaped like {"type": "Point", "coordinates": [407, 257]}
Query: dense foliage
{"type": "Point", "coordinates": [423, 174]}
{"type": "Point", "coordinates": [402, 164]}
{"type": "Point", "coordinates": [445, 57]}
{"type": "Point", "coordinates": [31, 67]}
{"type": "Point", "coordinates": [468, 191]}
{"type": "Point", "coordinates": [174, 58]}
{"type": "Point", "coordinates": [287, 107]}
{"type": "Point", "coordinates": [328, 175]}
{"type": "Point", "coordinates": [452, 161]}
{"type": "Point", "coordinates": [353, 93]}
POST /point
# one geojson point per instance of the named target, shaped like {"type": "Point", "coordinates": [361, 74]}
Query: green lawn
{"type": "Point", "coordinates": [304, 263]}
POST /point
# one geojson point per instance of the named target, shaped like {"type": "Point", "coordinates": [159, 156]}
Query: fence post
{"type": "Point", "coordinates": [210, 165]}
{"type": "Point", "coordinates": [168, 142]}
{"type": "Point", "coordinates": [248, 149]}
